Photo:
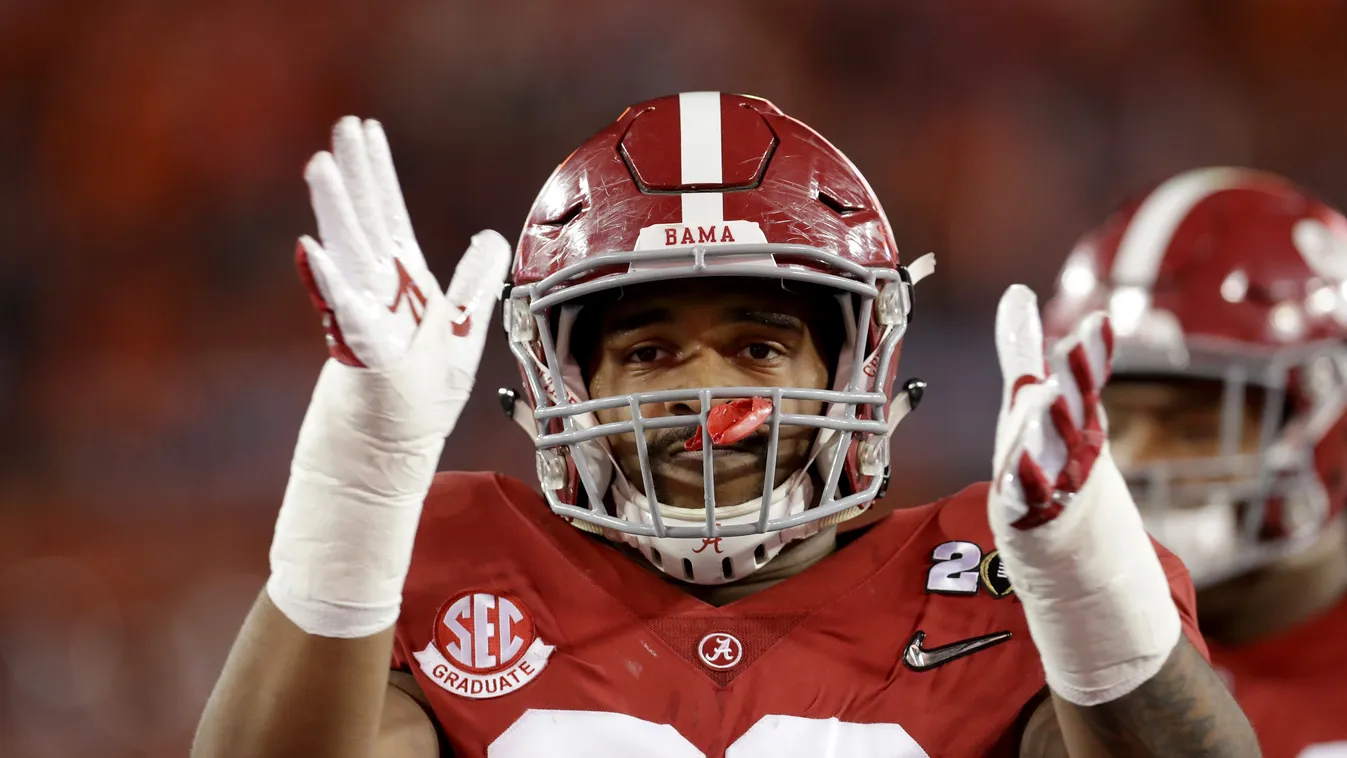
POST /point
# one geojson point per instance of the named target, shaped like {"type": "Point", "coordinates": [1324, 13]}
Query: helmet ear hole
{"type": "Point", "coordinates": [759, 556]}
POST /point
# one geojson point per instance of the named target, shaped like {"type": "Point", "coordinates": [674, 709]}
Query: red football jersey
{"type": "Point", "coordinates": [1293, 686]}
{"type": "Point", "coordinates": [533, 638]}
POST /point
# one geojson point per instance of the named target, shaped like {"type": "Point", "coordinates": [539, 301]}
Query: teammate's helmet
{"type": "Point", "coordinates": [706, 184]}
{"type": "Point", "coordinates": [1238, 277]}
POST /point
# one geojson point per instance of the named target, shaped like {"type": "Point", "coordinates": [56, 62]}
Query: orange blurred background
{"type": "Point", "coordinates": [156, 350]}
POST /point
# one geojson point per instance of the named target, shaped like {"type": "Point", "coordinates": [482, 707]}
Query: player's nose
{"type": "Point", "coordinates": [707, 369]}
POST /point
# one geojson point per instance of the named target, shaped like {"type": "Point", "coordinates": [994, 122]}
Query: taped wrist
{"type": "Point", "coordinates": [362, 467]}
{"type": "Point", "coordinates": [1094, 593]}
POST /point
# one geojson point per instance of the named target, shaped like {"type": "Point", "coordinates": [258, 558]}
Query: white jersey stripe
{"type": "Point", "coordinates": [701, 155]}
{"type": "Point", "coordinates": [1146, 239]}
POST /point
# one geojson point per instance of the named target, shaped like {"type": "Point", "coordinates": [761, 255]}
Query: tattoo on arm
{"type": "Point", "coordinates": [1184, 709]}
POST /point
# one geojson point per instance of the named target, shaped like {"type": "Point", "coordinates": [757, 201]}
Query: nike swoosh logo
{"type": "Point", "coordinates": [918, 658]}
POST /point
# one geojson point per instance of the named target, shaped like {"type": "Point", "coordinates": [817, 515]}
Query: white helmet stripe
{"type": "Point", "coordinates": [1146, 239]}
{"type": "Point", "coordinates": [702, 157]}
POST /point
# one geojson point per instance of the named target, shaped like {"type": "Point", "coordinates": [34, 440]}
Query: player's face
{"type": "Point", "coordinates": [1198, 519]}
{"type": "Point", "coordinates": [1172, 420]}
{"type": "Point", "coordinates": [710, 333]}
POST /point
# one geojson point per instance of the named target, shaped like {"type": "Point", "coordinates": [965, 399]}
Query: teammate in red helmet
{"type": "Point", "coordinates": [706, 304]}
{"type": "Point", "coordinates": [1228, 415]}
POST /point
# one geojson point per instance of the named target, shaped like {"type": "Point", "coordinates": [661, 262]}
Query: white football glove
{"type": "Point", "coordinates": [1095, 595]}
{"type": "Point", "coordinates": [404, 360]}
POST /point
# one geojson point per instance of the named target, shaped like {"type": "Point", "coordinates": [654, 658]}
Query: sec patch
{"type": "Point", "coordinates": [483, 645]}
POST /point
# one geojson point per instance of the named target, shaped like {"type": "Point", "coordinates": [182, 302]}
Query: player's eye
{"type": "Point", "coordinates": [761, 351]}
{"type": "Point", "coordinates": [643, 354]}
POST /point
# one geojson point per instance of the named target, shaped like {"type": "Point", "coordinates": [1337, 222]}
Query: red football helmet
{"type": "Point", "coordinates": [706, 184]}
{"type": "Point", "coordinates": [1238, 277]}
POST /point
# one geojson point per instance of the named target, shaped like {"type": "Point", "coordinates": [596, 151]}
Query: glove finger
{"type": "Point", "coordinates": [1064, 423]}
{"type": "Point", "coordinates": [1028, 470]}
{"type": "Point", "coordinates": [1019, 341]}
{"type": "Point", "coordinates": [1020, 489]}
{"type": "Point", "coordinates": [1081, 362]}
{"type": "Point", "coordinates": [1039, 506]}
{"type": "Point", "coordinates": [1024, 427]}
{"type": "Point", "coordinates": [338, 227]}
{"type": "Point", "coordinates": [478, 281]}
{"type": "Point", "coordinates": [329, 295]}
{"type": "Point", "coordinates": [392, 206]}
{"type": "Point", "coordinates": [1035, 491]}
{"type": "Point", "coordinates": [309, 257]}
{"type": "Point", "coordinates": [348, 145]}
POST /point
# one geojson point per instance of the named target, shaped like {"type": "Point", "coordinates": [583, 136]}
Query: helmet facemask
{"type": "Point", "coordinates": [1246, 505]}
{"type": "Point", "coordinates": [716, 542]}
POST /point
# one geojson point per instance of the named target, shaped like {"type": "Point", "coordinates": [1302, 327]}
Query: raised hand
{"type": "Point", "coordinates": [1051, 428]}
{"type": "Point", "coordinates": [405, 358]}
{"type": "Point", "coordinates": [1094, 593]}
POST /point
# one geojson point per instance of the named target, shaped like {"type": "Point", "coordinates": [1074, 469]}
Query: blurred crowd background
{"type": "Point", "coordinates": [157, 351]}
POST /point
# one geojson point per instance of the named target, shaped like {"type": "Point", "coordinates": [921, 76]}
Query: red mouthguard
{"type": "Point", "coordinates": [733, 421]}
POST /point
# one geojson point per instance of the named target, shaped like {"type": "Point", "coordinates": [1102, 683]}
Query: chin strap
{"type": "Point", "coordinates": [715, 560]}
{"type": "Point", "coordinates": [921, 268]}
{"type": "Point", "coordinates": [512, 404]}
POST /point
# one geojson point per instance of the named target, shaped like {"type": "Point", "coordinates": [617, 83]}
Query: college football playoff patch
{"type": "Point", "coordinates": [993, 573]}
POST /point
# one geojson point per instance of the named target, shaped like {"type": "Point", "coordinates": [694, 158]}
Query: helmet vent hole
{"type": "Point", "coordinates": [687, 569]}
{"type": "Point", "coordinates": [656, 558]}
{"type": "Point", "coordinates": [727, 568]}
{"type": "Point", "coordinates": [565, 218]}
{"type": "Point", "coordinates": [835, 205]}
{"type": "Point", "coordinates": [759, 556]}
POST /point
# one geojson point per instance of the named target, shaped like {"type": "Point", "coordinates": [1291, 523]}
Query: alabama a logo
{"type": "Point", "coordinates": [484, 645]}
{"type": "Point", "coordinates": [720, 650]}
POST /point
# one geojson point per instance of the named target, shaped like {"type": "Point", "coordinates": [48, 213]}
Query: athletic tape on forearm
{"type": "Point", "coordinates": [1095, 595]}
{"type": "Point", "coordinates": [362, 467]}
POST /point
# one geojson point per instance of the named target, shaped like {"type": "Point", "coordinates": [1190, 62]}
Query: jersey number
{"type": "Point", "coordinates": [956, 572]}
{"type": "Point", "coordinates": [599, 734]}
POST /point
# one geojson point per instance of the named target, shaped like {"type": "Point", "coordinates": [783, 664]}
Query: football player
{"type": "Point", "coordinates": [706, 305]}
{"type": "Point", "coordinates": [1228, 295]}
